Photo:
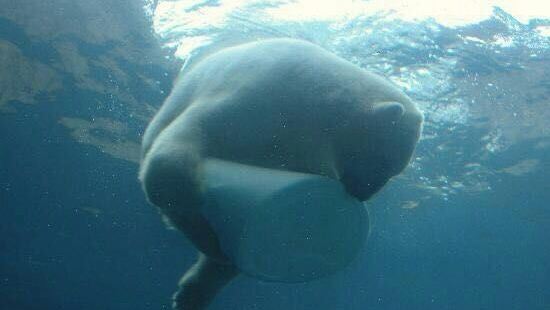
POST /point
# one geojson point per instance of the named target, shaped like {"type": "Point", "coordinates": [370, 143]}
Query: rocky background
{"type": "Point", "coordinates": [97, 59]}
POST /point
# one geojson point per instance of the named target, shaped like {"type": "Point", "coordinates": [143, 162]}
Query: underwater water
{"type": "Point", "coordinates": [466, 226]}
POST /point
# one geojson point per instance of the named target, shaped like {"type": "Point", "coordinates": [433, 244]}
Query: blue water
{"type": "Point", "coordinates": [77, 233]}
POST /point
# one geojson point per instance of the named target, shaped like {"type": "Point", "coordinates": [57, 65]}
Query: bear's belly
{"type": "Point", "coordinates": [275, 135]}
{"type": "Point", "coordinates": [275, 149]}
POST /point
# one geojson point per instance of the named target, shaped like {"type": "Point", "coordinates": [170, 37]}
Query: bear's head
{"type": "Point", "coordinates": [376, 145]}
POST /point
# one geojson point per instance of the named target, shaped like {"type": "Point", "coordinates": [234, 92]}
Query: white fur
{"type": "Point", "coordinates": [280, 104]}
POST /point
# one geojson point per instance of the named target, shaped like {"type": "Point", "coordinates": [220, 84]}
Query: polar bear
{"type": "Point", "coordinates": [281, 104]}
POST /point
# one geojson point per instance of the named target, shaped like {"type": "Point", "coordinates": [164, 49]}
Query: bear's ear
{"type": "Point", "coordinates": [388, 112]}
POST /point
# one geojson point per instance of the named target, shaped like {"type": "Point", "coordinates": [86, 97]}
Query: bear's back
{"type": "Point", "coordinates": [284, 77]}
{"type": "Point", "coordinates": [275, 103]}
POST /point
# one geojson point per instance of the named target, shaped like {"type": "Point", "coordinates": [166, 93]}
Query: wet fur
{"type": "Point", "coordinates": [281, 104]}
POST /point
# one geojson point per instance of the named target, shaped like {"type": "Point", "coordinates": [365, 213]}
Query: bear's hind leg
{"type": "Point", "coordinates": [170, 175]}
{"type": "Point", "coordinates": [200, 284]}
